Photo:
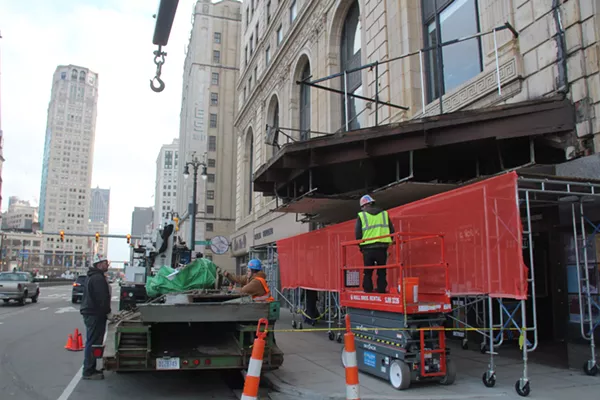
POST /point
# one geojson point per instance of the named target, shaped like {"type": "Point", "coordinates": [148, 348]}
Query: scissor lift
{"type": "Point", "coordinates": [399, 338]}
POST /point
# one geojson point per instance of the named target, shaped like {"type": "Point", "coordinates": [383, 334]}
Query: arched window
{"type": "Point", "coordinates": [305, 105]}
{"type": "Point", "coordinates": [249, 169]}
{"type": "Point", "coordinates": [273, 122]}
{"type": "Point", "coordinates": [74, 74]}
{"type": "Point", "coordinates": [82, 76]}
{"type": "Point", "coordinates": [351, 58]}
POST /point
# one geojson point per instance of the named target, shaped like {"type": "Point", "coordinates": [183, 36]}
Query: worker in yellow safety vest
{"type": "Point", "coordinates": [254, 283]}
{"type": "Point", "coordinates": [373, 222]}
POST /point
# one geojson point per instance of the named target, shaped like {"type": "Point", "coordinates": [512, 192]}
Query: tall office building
{"type": "Point", "coordinates": [1, 133]}
{"type": "Point", "coordinates": [165, 192]}
{"type": "Point", "coordinates": [206, 125]}
{"type": "Point", "coordinates": [141, 220]}
{"type": "Point", "coordinates": [68, 158]}
{"type": "Point", "coordinates": [99, 205]}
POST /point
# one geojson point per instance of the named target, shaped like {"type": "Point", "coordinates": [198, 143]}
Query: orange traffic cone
{"type": "Point", "coordinates": [69, 344]}
{"type": "Point", "coordinates": [256, 359]}
{"type": "Point", "coordinates": [352, 385]}
{"type": "Point", "coordinates": [79, 341]}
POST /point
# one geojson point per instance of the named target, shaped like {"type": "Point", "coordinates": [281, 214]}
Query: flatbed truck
{"type": "Point", "coordinates": [201, 330]}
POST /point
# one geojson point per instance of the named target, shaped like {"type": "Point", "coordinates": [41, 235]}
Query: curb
{"type": "Point", "coordinates": [275, 383]}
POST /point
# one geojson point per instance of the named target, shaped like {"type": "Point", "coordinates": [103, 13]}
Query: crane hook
{"type": "Point", "coordinates": [160, 87]}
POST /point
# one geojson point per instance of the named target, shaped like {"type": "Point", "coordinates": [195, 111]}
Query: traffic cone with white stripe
{"type": "Point", "coordinates": [253, 375]}
{"type": "Point", "coordinates": [352, 386]}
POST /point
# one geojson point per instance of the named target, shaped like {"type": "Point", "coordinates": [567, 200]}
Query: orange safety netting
{"type": "Point", "coordinates": [482, 233]}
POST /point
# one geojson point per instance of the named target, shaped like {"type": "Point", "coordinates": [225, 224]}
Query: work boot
{"type": "Point", "coordinates": [95, 376]}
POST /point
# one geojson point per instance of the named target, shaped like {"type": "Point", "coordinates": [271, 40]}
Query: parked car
{"type": "Point", "coordinates": [18, 286]}
{"type": "Point", "coordinates": [78, 287]}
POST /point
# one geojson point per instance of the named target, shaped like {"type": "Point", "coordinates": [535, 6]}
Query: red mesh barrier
{"type": "Point", "coordinates": [483, 243]}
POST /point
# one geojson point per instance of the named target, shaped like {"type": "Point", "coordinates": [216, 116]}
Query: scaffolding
{"type": "Point", "coordinates": [505, 324]}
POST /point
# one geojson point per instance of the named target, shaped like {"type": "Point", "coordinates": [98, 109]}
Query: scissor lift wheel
{"type": "Point", "coordinates": [450, 373]}
{"type": "Point", "coordinates": [399, 375]}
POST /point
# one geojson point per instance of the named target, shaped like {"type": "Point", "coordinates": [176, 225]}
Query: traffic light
{"type": "Point", "coordinates": [176, 219]}
{"type": "Point", "coordinates": [97, 237]}
{"type": "Point", "coordinates": [128, 238]}
{"type": "Point", "coordinates": [62, 236]}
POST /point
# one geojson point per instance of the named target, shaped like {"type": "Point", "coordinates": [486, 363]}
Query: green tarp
{"type": "Point", "coordinates": [200, 274]}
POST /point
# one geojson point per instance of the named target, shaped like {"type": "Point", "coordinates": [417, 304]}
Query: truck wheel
{"type": "Point", "coordinates": [22, 299]}
{"type": "Point", "coordinates": [6, 301]}
{"type": "Point", "coordinates": [34, 299]}
{"type": "Point", "coordinates": [74, 300]}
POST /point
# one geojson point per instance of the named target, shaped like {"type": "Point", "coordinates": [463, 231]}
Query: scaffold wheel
{"type": "Point", "coordinates": [483, 348]}
{"type": "Point", "coordinates": [465, 344]}
{"type": "Point", "coordinates": [590, 371]}
{"type": "Point", "coordinates": [331, 335]}
{"type": "Point", "coordinates": [300, 325]}
{"type": "Point", "coordinates": [522, 391]}
{"type": "Point", "coordinates": [339, 337]}
{"type": "Point", "coordinates": [294, 324]}
{"type": "Point", "coordinates": [489, 379]}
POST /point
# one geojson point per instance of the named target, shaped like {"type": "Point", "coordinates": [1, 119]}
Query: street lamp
{"type": "Point", "coordinates": [195, 163]}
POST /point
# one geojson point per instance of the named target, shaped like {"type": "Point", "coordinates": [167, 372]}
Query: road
{"type": "Point", "coordinates": [35, 366]}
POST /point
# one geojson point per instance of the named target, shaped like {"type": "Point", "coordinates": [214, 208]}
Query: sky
{"type": "Point", "coordinates": [114, 39]}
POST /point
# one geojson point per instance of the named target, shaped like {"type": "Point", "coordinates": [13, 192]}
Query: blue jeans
{"type": "Point", "coordinates": [95, 326]}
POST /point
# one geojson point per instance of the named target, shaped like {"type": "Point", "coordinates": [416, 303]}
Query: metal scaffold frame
{"type": "Point", "coordinates": [538, 192]}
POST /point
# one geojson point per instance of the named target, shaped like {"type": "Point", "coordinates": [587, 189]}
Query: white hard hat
{"type": "Point", "coordinates": [98, 258]}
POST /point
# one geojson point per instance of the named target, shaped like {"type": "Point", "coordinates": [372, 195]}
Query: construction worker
{"type": "Point", "coordinates": [95, 308]}
{"type": "Point", "coordinates": [373, 222]}
{"type": "Point", "coordinates": [254, 283]}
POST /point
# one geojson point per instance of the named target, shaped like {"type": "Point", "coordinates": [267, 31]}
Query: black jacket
{"type": "Point", "coordinates": [373, 210]}
{"type": "Point", "coordinates": [96, 296]}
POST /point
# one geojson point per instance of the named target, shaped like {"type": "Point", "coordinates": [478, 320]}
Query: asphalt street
{"type": "Point", "coordinates": [34, 364]}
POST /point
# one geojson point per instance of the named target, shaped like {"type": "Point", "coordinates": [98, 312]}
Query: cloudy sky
{"type": "Point", "coordinates": [114, 39]}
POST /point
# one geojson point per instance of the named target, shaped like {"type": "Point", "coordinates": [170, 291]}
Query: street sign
{"type": "Point", "coordinates": [202, 242]}
{"type": "Point", "coordinates": [24, 254]}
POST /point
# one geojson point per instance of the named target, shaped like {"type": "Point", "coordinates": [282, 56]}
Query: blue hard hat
{"type": "Point", "coordinates": [255, 265]}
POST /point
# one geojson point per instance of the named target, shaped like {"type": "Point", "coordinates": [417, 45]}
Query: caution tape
{"type": "Point", "coordinates": [394, 329]}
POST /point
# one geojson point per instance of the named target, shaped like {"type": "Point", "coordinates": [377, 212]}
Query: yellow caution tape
{"type": "Point", "coordinates": [393, 329]}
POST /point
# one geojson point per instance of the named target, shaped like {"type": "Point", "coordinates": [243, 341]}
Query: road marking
{"type": "Point", "coordinates": [63, 310]}
{"type": "Point", "coordinates": [71, 386]}
{"type": "Point", "coordinates": [44, 309]}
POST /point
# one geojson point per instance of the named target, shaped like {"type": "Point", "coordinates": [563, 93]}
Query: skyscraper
{"type": "Point", "coordinates": [165, 192]}
{"type": "Point", "coordinates": [141, 220]}
{"type": "Point", "coordinates": [68, 158]}
{"type": "Point", "coordinates": [99, 205]}
{"type": "Point", "coordinates": [206, 124]}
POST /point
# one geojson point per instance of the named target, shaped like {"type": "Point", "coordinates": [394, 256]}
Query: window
{"type": "Point", "coordinates": [250, 156]}
{"type": "Point", "coordinates": [247, 17]}
{"type": "Point", "coordinates": [215, 79]}
{"type": "Point", "coordinates": [210, 194]}
{"type": "Point", "coordinates": [279, 35]}
{"type": "Point", "coordinates": [268, 55]}
{"type": "Point", "coordinates": [246, 55]}
{"type": "Point", "coordinates": [211, 178]}
{"type": "Point", "coordinates": [212, 163]}
{"type": "Point", "coordinates": [293, 12]}
{"type": "Point", "coordinates": [351, 58]}
{"type": "Point", "coordinates": [256, 74]}
{"type": "Point", "coordinates": [256, 34]}
{"type": "Point", "coordinates": [250, 84]}
{"type": "Point", "coordinates": [210, 209]}
{"type": "Point", "coordinates": [217, 37]}
{"type": "Point", "coordinates": [212, 143]}
{"type": "Point", "coordinates": [213, 120]}
{"type": "Point", "coordinates": [209, 227]}
{"type": "Point", "coordinates": [268, 12]}
{"type": "Point", "coordinates": [214, 99]}
{"type": "Point", "coordinates": [216, 57]}
{"type": "Point", "coordinates": [305, 105]}
{"type": "Point", "coordinates": [63, 75]}
{"type": "Point", "coordinates": [251, 44]}
{"type": "Point", "coordinates": [457, 62]}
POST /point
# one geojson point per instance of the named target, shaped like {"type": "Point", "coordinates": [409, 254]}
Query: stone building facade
{"type": "Point", "coordinates": [553, 50]}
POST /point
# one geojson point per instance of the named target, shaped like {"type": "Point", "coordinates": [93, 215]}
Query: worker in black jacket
{"type": "Point", "coordinates": [95, 308]}
{"type": "Point", "coordinates": [373, 226]}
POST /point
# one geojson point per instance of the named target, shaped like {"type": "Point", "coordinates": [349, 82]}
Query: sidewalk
{"type": "Point", "coordinates": [312, 369]}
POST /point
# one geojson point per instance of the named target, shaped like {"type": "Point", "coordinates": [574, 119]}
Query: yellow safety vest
{"type": "Point", "coordinates": [374, 226]}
